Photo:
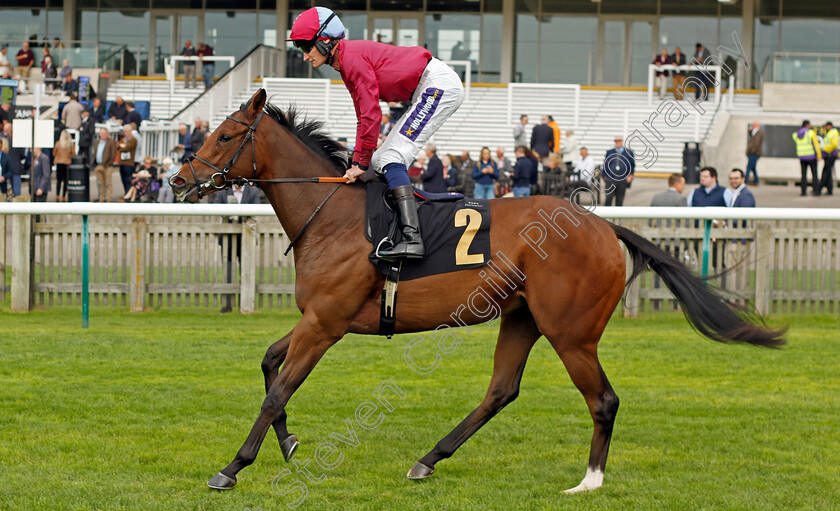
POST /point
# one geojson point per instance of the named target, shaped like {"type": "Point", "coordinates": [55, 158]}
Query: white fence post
{"type": "Point", "coordinates": [137, 278]}
{"type": "Point", "coordinates": [248, 267]}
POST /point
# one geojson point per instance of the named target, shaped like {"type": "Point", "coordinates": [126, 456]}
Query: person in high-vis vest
{"type": "Point", "coordinates": [808, 151]}
{"type": "Point", "coordinates": [831, 141]}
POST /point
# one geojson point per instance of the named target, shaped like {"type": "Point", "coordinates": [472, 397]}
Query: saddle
{"type": "Point", "coordinates": [455, 230]}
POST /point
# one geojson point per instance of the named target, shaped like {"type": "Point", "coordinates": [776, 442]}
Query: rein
{"type": "Point", "coordinates": [241, 181]}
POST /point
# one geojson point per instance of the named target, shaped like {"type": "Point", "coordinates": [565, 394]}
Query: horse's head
{"type": "Point", "coordinates": [229, 154]}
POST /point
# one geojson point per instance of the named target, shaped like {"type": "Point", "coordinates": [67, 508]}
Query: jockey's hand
{"type": "Point", "coordinates": [352, 173]}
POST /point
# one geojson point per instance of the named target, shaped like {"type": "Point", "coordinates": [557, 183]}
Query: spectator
{"type": "Point", "coordinates": [829, 154]}
{"type": "Point", "coordinates": [672, 197]}
{"type": "Point", "coordinates": [140, 182]}
{"type": "Point", "coordinates": [661, 80]}
{"type": "Point", "coordinates": [25, 59]}
{"type": "Point", "coordinates": [127, 149]}
{"type": "Point", "coordinates": [57, 43]}
{"type": "Point", "coordinates": [522, 171]}
{"type": "Point", "coordinates": [467, 163]}
{"type": "Point", "coordinates": [754, 146]}
{"type": "Point", "coordinates": [585, 168]}
{"type": "Point", "coordinates": [450, 171]}
{"type": "Point", "coordinates": [502, 161]}
{"type": "Point", "coordinates": [384, 127]}
{"type": "Point", "coordinates": [97, 111]}
{"type": "Point", "coordinates": [237, 194]}
{"type": "Point", "coordinates": [542, 138]}
{"type": "Point", "coordinates": [65, 69]}
{"type": "Point", "coordinates": [6, 114]}
{"type": "Point", "coordinates": [552, 164]}
{"type": "Point", "coordinates": [519, 131]}
{"type": "Point", "coordinates": [86, 134]}
{"type": "Point", "coordinates": [433, 177]}
{"type": "Point", "coordinates": [416, 170]}
{"type": "Point", "coordinates": [17, 156]}
{"type": "Point", "coordinates": [132, 115]}
{"type": "Point", "coordinates": [208, 67]}
{"type": "Point", "coordinates": [39, 180]}
{"type": "Point", "coordinates": [184, 147]}
{"type": "Point", "coordinates": [117, 110]}
{"type": "Point", "coordinates": [189, 66]}
{"type": "Point", "coordinates": [197, 136]}
{"type": "Point", "coordinates": [165, 195]}
{"type": "Point", "coordinates": [808, 151]}
{"type": "Point", "coordinates": [619, 167]}
{"type": "Point", "coordinates": [50, 73]}
{"type": "Point", "coordinates": [397, 109]}
{"type": "Point", "coordinates": [71, 116]}
{"type": "Point", "coordinates": [709, 193]}
{"type": "Point", "coordinates": [485, 173]}
{"type": "Point", "coordinates": [5, 67]}
{"type": "Point", "coordinates": [557, 147]}
{"type": "Point", "coordinates": [139, 153]}
{"type": "Point", "coordinates": [69, 85]}
{"type": "Point", "coordinates": [678, 76]}
{"type": "Point", "coordinates": [103, 159]}
{"type": "Point", "coordinates": [5, 169]}
{"type": "Point", "coordinates": [63, 153]}
{"type": "Point", "coordinates": [700, 56]}
{"type": "Point", "coordinates": [741, 196]}
{"type": "Point", "coordinates": [571, 149]}
{"type": "Point", "coordinates": [45, 61]}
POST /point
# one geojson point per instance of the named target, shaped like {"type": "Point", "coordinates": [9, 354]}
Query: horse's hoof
{"type": "Point", "coordinates": [289, 447]}
{"type": "Point", "coordinates": [420, 471]}
{"type": "Point", "coordinates": [221, 482]}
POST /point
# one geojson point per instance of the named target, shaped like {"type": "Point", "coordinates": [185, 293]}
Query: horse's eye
{"type": "Point", "coordinates": [225, 138]}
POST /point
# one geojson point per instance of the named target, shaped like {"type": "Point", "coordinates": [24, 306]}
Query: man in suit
{"type": "Point", "coordinates": [234, 195]}
{"type": "Point", "coordinates": [700, 55]}
{"type": "Point", "coordinates": [672, 197]}
{"type": "Point", "coordinates": [756, 141]}
{"type": "Point", "coordinates": [132, 115]}
{"type": "Point", "coordinates": [433, 178]}
{"type": "Point", "coordinates": [117, 109]}
{"type": "Point", "coordinates": [103, 157]}
{"type": "Point", "coordinates": [86, 133]}
{"type": "Point", "coordinates": [709, 193]}
{"type": "Point", "coordinates": [519, 131]}
{"type": "Point", "coordinates": [742, 197]}
{"type": "Point", "coordinates": [97, 110]}
{"type": "Point", "coordinates": [542, 138]}
{"type": "Point", "coordinates": [619, 167]}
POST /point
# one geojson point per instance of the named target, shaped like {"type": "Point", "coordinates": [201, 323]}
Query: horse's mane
{"type": "Point", "coordinates": [310, 132]}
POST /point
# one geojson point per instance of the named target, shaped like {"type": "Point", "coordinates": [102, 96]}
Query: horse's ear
{"type": "Point", "coordinates": [256, 104]}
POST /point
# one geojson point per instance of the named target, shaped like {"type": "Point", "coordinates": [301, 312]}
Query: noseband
{"type": "Point", "coordinates": [210, 184]}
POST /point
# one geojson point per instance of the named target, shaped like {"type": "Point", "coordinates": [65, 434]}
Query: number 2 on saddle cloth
{"type": "Point", "coordinates": [455, 230]}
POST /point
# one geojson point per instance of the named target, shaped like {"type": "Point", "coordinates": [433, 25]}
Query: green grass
{"type": "Point", "coordinates": [139, 411]}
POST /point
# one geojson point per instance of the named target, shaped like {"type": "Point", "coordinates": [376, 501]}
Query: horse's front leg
{"type": "Point", "coordinates": [307, 346]}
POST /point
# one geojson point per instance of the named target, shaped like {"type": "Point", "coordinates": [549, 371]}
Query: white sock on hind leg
{"type": "Point", "coordinates": [593, 480]}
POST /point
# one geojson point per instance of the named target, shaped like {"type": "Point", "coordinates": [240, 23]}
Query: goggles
{"type": "Point", "coordinates": [303, 45]}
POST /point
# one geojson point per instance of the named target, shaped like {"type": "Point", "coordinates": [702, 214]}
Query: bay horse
{"type": "Point", "coordinates": [567, 285]}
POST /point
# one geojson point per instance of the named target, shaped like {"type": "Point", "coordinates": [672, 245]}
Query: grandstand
{"type": "Point", "coordinates": [485, 117]}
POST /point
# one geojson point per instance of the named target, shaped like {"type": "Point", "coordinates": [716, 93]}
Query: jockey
{"type": "Point", "coordinates": [372, 71]}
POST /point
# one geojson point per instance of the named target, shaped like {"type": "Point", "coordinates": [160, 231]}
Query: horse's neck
{"type": "Point", "coordinates": [294, 203]}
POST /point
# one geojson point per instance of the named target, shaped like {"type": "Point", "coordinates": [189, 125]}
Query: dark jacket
{"type": "Point", "coordinates": [117, 111]}
{"type": "Point", "coordinates": [681, 62]}
{"type": "Point", "coordinates": [6, 166]}
{"type": "Point", "coordinates": [197, 139]}
{"type": "Point", "coordinates": [755, 143]}
{"type": "Point", "coordinates": [703, 199]}
{"type": "Point", "coordinates": [451, 176]}
{"type": "Point", "coordinates": [542, 140]}
{"type": "Point", "coordinates": [133, 116]}
{"type": "Point", "coordinates": [522, 171]}
{"type": "Point", "coordinates": [87, 132]}
{"type": "Point", "coordinates": [485, 179]}
{"type": "Point", "coordinates": [618, 167]}
{"type": "Point", "coordinates": [16, 157]}
{"type": "Point", "coordinates": [432, 178]}
{"type": "Point", "coordinates": [97, 114]}
{"type": "Point", "coordinates": [40, 176]}
{"type": "Point", "coordinates": [250, 195]}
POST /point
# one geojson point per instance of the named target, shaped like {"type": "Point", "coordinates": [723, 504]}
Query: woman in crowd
{"type": "Point", "coordinates": [523, 170]}
{"type": "Point", "coordinates": [485, 173]}
{"type": "Point", "coordinates": [62, 156]}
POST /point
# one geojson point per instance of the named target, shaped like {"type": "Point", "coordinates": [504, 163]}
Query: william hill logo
{"type": "Point", "coordinates": [424, 111]}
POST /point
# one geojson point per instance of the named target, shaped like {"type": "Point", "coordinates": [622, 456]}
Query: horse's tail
{"type": "Point", "coordinates": [705, 307]}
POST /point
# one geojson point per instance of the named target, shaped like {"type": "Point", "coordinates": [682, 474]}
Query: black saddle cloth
{"type": "Point", "coordinates": [449, 247]}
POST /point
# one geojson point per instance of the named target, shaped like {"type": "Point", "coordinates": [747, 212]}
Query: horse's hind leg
{"type": "Point", "coordinates": [517, 335]}
{"type": "Point", "coordinates": [581, 361]}
{"type": "Point", "coordinates": [274, 357]}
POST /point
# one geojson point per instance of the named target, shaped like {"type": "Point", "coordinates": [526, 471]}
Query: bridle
{"type": "Point", "coordinates": [226, 183]}
{"type": "Point", "coordinates": [240, 181]}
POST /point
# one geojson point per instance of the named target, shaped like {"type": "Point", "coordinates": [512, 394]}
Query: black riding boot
{"type": "Point", "coordinates": [411, 246]}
